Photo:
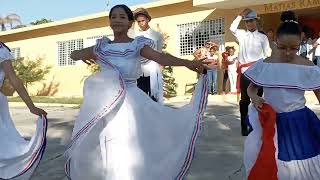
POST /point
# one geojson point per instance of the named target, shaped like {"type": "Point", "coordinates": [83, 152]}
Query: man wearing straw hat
{"type": "Point", "coordinates": [253, 46]}
{"type": "Point", "coordinates": [151, 80]}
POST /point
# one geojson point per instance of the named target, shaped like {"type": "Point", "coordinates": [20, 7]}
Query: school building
{"type": "Point", "coordinates": [187, 22]}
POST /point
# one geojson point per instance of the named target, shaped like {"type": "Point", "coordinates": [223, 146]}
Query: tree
{"type": "Point", "coordinates": [41, 21]}
{"type": "Point", "coordinates": [19, 26]}
{"type": "Point", "coordinates": [169, 85]}
{"type": "Point", "coordinates": [29, 71]}
{"type": "Point", "coordinates": [9, 19]}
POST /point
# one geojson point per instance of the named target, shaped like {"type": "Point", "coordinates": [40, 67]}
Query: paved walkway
{"type": "Point", "coordinates": [218, 154]}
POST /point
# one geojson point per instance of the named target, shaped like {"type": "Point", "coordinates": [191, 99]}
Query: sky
{"type": "Point", "coordinates": [31, 10]}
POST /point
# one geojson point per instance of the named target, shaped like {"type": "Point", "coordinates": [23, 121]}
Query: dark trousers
{"type": "Point", "coordinates": [225, 81]}
{"type": "Point", "coordinates": [304, 55]}
{"type": "Point", "coordinates": [144, 84]}
{"type": "Point", "coordinates": [244, 102]}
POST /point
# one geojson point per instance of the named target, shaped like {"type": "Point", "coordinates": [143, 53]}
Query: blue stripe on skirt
{"type": "Point", "coordinates": [298, 135]}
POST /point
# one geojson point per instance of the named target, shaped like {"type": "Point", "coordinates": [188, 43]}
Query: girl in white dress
{"type": "Point", "coordinates": [18, 157]}
{"type": "Point", "coordinates": [232, 70]}
{"type": "Point", "coordinates": [285, 141]}
{"type": "Point", "coordinates": [121, 133]}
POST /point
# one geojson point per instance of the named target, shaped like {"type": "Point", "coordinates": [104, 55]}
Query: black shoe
{"type": "Point", "coordinates": [244, 132]}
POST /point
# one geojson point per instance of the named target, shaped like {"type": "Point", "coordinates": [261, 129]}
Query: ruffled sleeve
{"type": "Point", "coordinates": [101, 43]}
{"type": "Point", "coordinates": [283, 75]}
{"type": "Point", "coordinates": [143, 41]}
{"type": "Point", "coordinates": [5, 53]}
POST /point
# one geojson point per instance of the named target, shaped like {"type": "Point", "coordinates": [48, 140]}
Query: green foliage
{"type": "Point", "coordinates": [41, 21]}
{"type": "Point", "coordinates": [169, 85]}
{"type": "Point", "coordinates": [30, 71]}
{"type": "Point", "coordinates": [93, 68]}
{"type": "Point", "coordinates": [46, 99]}
{"type": "Point", "coordinates": [19, 26]}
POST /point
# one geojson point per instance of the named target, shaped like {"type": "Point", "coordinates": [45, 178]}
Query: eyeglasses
{"type": "Point", "coordinates": [288, 49]}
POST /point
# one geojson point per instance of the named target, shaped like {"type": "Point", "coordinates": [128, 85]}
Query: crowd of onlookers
{"type": "Point", "coordinates": [309, 47]}
{"type": "Point", "coordinates": [226, 62]}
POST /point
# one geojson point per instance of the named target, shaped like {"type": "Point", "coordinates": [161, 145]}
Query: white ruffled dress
{"type": "Point", "coordinates": [18, 157]}
{"type": "Point", "coordinates": [121, 133]}
{"type": "Point", "coordinates": [295, 133]}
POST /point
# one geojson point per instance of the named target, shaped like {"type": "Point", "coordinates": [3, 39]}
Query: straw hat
{"type": "Point", "coordinates": [141, 11]}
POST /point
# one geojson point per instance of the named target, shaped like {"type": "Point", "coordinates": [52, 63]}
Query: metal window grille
{"type": "Point", "coordinates": [64, 50]}
{"type": "Point", "coordinates": [16, 53]}
{"type": "Point", "coordinates": [192, 36]}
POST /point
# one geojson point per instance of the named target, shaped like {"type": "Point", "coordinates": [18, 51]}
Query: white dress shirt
{"type": "Point", "coordinates": [152, 68]}
{"type": "Point", "coordinates": [233, 67]}
{"type": "Point", "coordinates": [317, 52]}
{"type": "Point", "coordinates": [253, 45]}
{"type": "Point", "coordinates": [158, 43]}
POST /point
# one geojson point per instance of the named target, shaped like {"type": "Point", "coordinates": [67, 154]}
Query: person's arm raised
{"type": "Point", "coordinates": [169, 60]}
{"type": "Point", "coordinates": [86, 55]}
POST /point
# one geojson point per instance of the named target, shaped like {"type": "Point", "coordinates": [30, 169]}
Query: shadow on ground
{"type": "Point", "coordinates": [218, 152]}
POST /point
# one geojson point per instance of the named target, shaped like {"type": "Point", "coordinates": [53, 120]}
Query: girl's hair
{"type": "Point", "coordinates": [270, 30]}
{"type": "Point", "coordinates": [4, 45]}
{"type": "Point", "coordinates": [289, 24]}
{"type": "Point", "coordinates": [213, 48]}
{"type": "Point", "coordinates": [229, 47]}
{"type": "Point", "coordinates": [125, 8]}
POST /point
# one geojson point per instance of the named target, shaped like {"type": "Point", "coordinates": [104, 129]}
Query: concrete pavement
{"type": "Point", "coordinates": [218, 153]}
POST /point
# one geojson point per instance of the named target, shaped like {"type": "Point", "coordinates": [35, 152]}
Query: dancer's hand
{"type": "Point", "coordinates": [86, 55]}
{"type": "Point", "coordinates": [89, 61]}
{"type": "Point", "coordinates": [38, 111]}
{"type": "Point", "coordinates": [257, 102]}
{"type": "Point", "coordinates": [197, 66]}
{"type": "Point", "coordinates": [245, 12]}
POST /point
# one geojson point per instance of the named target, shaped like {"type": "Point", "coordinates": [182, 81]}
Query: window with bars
{"type": "Point", "coordinates": [64, 50]}
{"type": "Point", "coordinates": [193, 35]}
{"type": "Point", "coordinates": [96, 37]}
{"type": "Point", "coordinates": [16, 53]}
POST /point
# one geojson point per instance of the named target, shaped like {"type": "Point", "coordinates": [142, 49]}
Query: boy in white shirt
{"type": "Point", "coordinates": [317, 51]}
{"type": "Point", "coordinates": [253, 47]}
{"type": "Point", "coordinates": [151, 80]}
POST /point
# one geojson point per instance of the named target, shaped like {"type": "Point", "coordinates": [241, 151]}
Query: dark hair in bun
{"type": "Point", "coordinates": [287, 16]}
{"type": "Point", "coordinates": [289, 24]}
{"type": "Point", "coordinates": [125, 8]}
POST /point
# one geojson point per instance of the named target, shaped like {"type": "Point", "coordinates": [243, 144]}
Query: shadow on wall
{"type": "Point", "coordinates": [48, 89]}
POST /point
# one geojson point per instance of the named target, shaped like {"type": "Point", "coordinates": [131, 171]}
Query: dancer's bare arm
{"type": "Point", "coordinates": [317, 93]}
{"type": "Point", "coordinates": [253, 94]}
{"type": "Point", "coordinates": [86, 55]}
{"type": "Point", "coordinates": [18, 86]}
{"type": "Point", "coordinates": [169, 60]}
{"type": "Point", "coordinates": [197, 54]}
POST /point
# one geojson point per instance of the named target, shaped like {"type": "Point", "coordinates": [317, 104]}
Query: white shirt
{"type": "Point", "coordinates": [214, 57]}
{"type": "Point", "coordinates": [253, 45]}
{"type": "Point", "coordinates": [317, 52]}
{"type": "Point", "coordinates": [158, 43]}
{"type": "Point", "coordinates": [233, 67]}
